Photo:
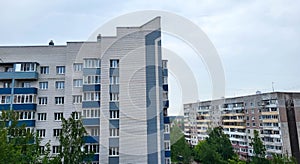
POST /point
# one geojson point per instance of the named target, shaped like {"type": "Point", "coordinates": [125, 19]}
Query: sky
{"type": "Point", "coordinates": [257, 41]}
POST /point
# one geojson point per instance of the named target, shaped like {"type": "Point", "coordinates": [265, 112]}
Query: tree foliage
{"type": "Point", "coordinates": [215, 149]}
{"type": "Point", "coordinates": [180, 150]}
{"type": "Point", "coordinates": [72, 141]}
{"type": "Point", "coordinates": [20, 145]}
{"type": "Point", "coordinates": [258, 149]}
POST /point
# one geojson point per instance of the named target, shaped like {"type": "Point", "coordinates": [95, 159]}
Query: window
{"type": "Point", "coordinates": [165, 95]}
{"type": "Point", "coordinates": [114, 63]}
{"type": "Point", "coordinates": [59, 100]}
{"type": "Point", "coordinates": [56, 149]}
{"type": "Point", "coordinates": [43, 100]}
{"type": "Point", "coordinates": [167, 161]}
{"type": "Point", "coordinates": [95, 132]}
{"type": "Point", "coordinates": [91, 96]}
{"type": "Point", "coordinates": [25, 67]}
{"type": "Point", "coordinates": [253, 124]}
{"type": "Point", "coordinates": [77, 82]}
{"type": "Point", "coordinates": [92, 79]}
{"type": "Point", "coordinates": [60, 70]}
{"type": "Point", "coordinates": [4, 99]}
{"type": "Point", "coordinates": [92, 63]}
{"type": "Point", "coordinates": [42, 149]}
{"type": "Point", "coordinates": [164, 63]}
{"type": "Point", "coordinates": [77, 115]}
{"type": "Point", "coordinates": [41, 133]}
{"type": "Point", "coordinates": [114, 96]}
{"type": "Point", "coordinates": [77, 67]}
{"type": "Point", "coordinates": [167, 145]}
{"type": "Point", "coordinates": [77, 99]}
{"type": "Point", "coordinates": [114, 132]}
{"type": "Point", "coordinates": [44, 69]}
{"type": "Point", "coordinates": [57, 132]}
{"type": "Point", "coordinates": [58, 116]}
{"type": "Point", "coordinates": [42, 116]}
{"type": "Point", "coordinates": [114, 114]}
{"type": "Point", "coordinates": [167, 128]}
{"type": "Point", "coordinates": [6, 84]}
{"type": "Point", "coordinates": [91, 148]}
{"type": "Point", "coordinates": [252, 111]}
{"type": "Point", "coordinates": [24, 99]}
{"type": "Point", "coordinates": [59, 84]}
{"type": "Point", "coordinates": [26, 85]}
{"type": "Point", "coordinates": [114, 80]}
{"type": "Point", "coordinates": [25, 115]}
{"type": "Point", "coordinates": [165, 80]}
{"type": "Point", "coordinates": [43, 85]}
{"type": "Point", "coordinates": [113, 151]}
{"type": "Point", "coordinates": [91, 113]}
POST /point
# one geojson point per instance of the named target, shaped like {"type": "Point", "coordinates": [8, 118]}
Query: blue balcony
{"type": "Point", "coordinates": [91, 139]}
{"type": "Point", "coordinates": [114, 71]}
{"type": "Point", "coordinates": [114, 105]}
{"type": "Point", "coordinates": [4, 106]}
{"type": "Point", "coordinates": [113, 160]}
{"type": "Point", "coordinates": [166, 103]}
{"type": "Point", "coordinates": [24, 107]}
{"type": "Point", "coordinates": [166, 120]}
{"type": "Point", "coordinates": [19, 75]}
{"type": "Point", "coordinates": [165, 72]}
{"type": "Point", "coordinates": [166, 137]}
{"type": "Point", "coordinates": [165, 87]}
{"type": "Point", "coordinates": [19, 90]}
{"type": "Point", "coordinates": [167, 153]}
{"type": "Point", "coordinates": [114, 88]}
{"type": "Point", "coordinates": [91, 71]}
{"type": "Point", "coordinates": [91, 104]}
{"type": "Point", "coordinates": [27, 123]}
{"type": "Point", "coordinates": [91, 121]}
{"type": "Point", "coordinates": [95, 157]}
{"type": "Point", "coordinates": [95, 87]}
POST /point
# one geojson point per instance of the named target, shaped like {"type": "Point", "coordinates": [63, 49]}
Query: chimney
{"type": "Point", "coordinates": [99, 38]}
{"type": "Point", "coordinates": [51, 43]}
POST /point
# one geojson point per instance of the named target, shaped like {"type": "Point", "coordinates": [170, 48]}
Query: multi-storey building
{"type": "Point", "coordinates": [276, 116]}
{"type": "Point", "coordinates": [117, 85]}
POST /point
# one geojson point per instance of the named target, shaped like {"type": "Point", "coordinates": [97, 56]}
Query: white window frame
{"type": "Point", "coordinates": [92, 79]}
{"type": "Point", "coordinates": [26, 115]}
{"type": "Point", "coordinates": [59, 100]}
{"type": "Point", "coordinates": [43, 85]}
{"type": "Point", "coordinates": [77, 99]}
{"type": "Point", "coordinates": [114, 97]}
{"type": "Point", "coordinates": [60, 84]}
{"type": "Point", "coordinates": [42, 116]}
{"type": "Point", "coordinates": [77, 67]}
{"type": "Point", "coordinates": [91, 96]}
{"type": "Point", "coordinates": [56, 149]}
{"type": "Point", "coordinates": [58, 116]}
{"type": "Point", "coordinates": [77, 82]}
{"type": "Point", "coordinates": [114, 80]}
{"type": "Point", "coordinates": [60, 70]}
{"type": "Point", "coordinates": [43, 100]}
{"type": "Point", "coordinates": [57, 132]}
{"type": "Point", "coordinates": [114, 114]}
{"type": "Point", "coordinates": [167, 145]}
{"type": "Point", "coordinates": [114, 132]}
{"type": "Point", "coordinates": [114, 63]}
{"type": "Point", "coordinates": [41, 133]}
{"type": "Point", "coordinates": [95, 131]}
{"type": "Point", "coordinates": [92, 63]}
{"type": "Point", "coordinates": [113, 151]}
{"type": "Point", "coordinates": [44, 70]}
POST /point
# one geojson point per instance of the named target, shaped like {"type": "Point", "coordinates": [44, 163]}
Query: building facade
{"type": "Point", "coordinates": [276, 116]}
{"type": "Point", "coordinates": [117, 85]}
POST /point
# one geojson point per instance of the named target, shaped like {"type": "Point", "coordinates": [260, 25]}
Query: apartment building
{"type": "Point", "coordinates": [275, 115]}
{"type": "Point", "coordinates": [117, 85]}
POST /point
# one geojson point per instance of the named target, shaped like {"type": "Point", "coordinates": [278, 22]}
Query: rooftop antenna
{"type": "Point", "coordinates": [273, 86]}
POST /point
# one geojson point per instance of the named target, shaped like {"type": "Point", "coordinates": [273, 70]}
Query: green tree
{"type": "Point", "coordinates": [18, 144]}
{"type": "Point", "coordinates": [216, 148]}
{"type": "Point", "coordinates": [282, 159]}
{"type": "Point", "coordinates": [258, 149]}
{"type": "Point", "coordinates": [180, 150]}
{"type": "Point", "coordinates": [72, 142]}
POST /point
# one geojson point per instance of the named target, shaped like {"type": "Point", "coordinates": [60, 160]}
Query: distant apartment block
{"type": "Point", "coordinates": [276, 116]}
{"type": "Point", "coordinates": [117, 85]}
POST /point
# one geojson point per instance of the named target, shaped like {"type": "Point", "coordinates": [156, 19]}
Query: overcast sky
{"type": "Point", "coordinates": [257, 41]}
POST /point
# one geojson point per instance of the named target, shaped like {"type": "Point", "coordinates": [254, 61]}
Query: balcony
{"type": "Point", "coordinates": [19, 75]}
{"type": "Point", "coordinates": [91, 139]}
{"type": "Point", "coordinates": [19, 90]}
{"type": "Point", "coordinates": [270, 120]}
{"type": "Point", "coordinates": [233, 120]}
{"type": "Point", "coordinates": [234, 126]}
{"type": "Point", "coordinates": [270, 113]}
